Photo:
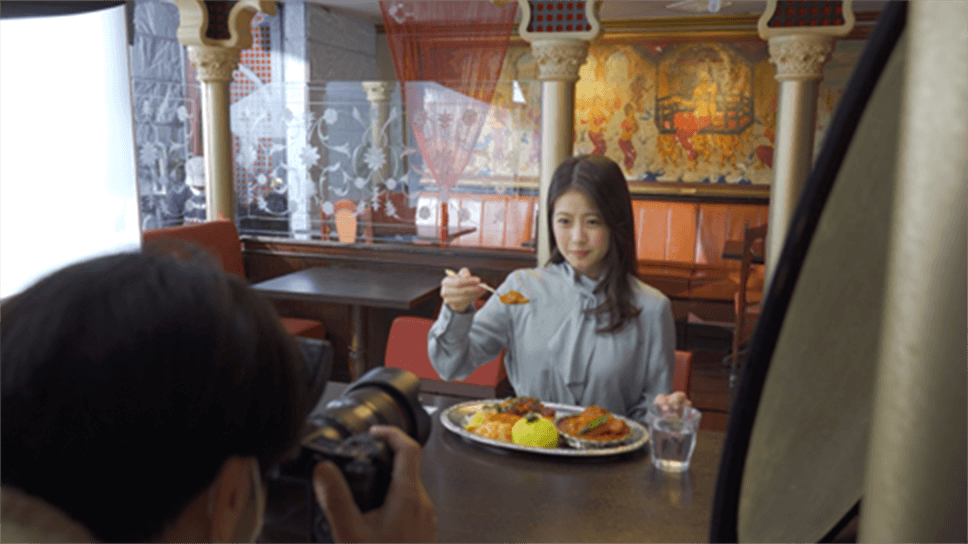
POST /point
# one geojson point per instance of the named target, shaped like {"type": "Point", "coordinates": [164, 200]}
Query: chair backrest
{"type": "Point", "coordinates": [682, 374]}
{"type": "Point", "coordinates": [721, 222]}
{"type": "Point", "coordinates": [752, 237]}
{"type": "Point", "coordinates": [407, 349]}
{"type": "Point", "coordinates": [318, 355]}
{"type": "Point", "coordinates": [220, 237]}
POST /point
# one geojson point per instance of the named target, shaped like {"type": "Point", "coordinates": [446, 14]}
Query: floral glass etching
{"type": "Point", "coordinates": [171, 183]}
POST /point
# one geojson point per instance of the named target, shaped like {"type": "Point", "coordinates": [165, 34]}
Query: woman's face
{"type": "Point", "coordinates": [580, 233]}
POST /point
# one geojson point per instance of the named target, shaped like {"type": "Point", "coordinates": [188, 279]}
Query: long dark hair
{"type": "Point", "coordinates": [128, 380]}
{"type": "Point", "coordinates": [601, 181]}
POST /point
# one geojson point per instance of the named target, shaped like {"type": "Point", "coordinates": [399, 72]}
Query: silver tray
{"type": "Point", "coordinates": [457, 416]}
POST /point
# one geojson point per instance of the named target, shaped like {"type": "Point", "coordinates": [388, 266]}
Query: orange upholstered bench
{"type": "Point", "coordinates": [718, 278]}
{"type": "Point", "coordinates": [680, 246]}
{"type": "Point", "coordinates": [665, 237]}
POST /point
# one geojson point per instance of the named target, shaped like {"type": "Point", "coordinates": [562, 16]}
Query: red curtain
{"type": "Point", "coordinates": [447, 56]}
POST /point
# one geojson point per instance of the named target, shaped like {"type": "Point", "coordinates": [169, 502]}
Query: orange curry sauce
{"type": "Point", "coordinates": [513, 297]}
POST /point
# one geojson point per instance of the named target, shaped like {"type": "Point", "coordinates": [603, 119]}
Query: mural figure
{"type": "Point", "coordinates": [764, 151]}
{"type": "Point", "coordinates": [597, 121]}
{"type": "Point", "coordinates": [638, 88]}
{"type": "Point", "coordinates": [703, 114]}
{"type": "Point", "coordinates": [629, 127]}
{"type": "Point", "coordinates": [534, 155]}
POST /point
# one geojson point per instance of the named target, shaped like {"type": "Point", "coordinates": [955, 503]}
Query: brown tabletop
{"type": "Point", "coordinates": [484, 494]}
{"type": "Point", "coordinates": [733, 249]}
{"type": "Point", "coordinates": [374, 288]}
{"type": "Point", "coordinates": [357, 288]}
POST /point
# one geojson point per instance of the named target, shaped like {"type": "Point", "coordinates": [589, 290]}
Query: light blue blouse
{"type": "Point", "coordinates": [553, 352]}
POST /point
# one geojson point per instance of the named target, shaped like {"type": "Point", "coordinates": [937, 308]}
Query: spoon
{"type": "Point", "coordinates": [511, 297]}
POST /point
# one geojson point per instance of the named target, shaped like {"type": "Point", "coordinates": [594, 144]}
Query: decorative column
{"type": "Point", "coordinates": [559, 39]}
{"type": "Point", "coordinates": [295, 69]}
{"type": "Point", "coordinates": [378, 94]}
{"type": "Point", "coordinates": [215, 33]}
{"type": "Point", "coordinates": [801, 38]}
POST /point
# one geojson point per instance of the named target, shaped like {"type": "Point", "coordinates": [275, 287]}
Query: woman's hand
{"type": "Point", "coordinates": [671, 405]}
{"type": "Point", "coordinates": [462, 291]}
{"type": "Point", "coordinates": [407, 514]}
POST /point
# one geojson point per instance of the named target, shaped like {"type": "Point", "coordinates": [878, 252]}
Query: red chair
{"type": "Point", "coordinates": [407, 349]}
{"type": "Point", "coordinates": [682, 374]}
{"type": "Point", "coordinates": [221, 238]}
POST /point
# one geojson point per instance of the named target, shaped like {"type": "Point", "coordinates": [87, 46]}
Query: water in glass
{"type": "Point", "coordinates": [673, 440]}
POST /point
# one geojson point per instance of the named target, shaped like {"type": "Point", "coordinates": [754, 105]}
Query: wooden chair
{"type": "Point", "coordinates": [221, 239]}
{"type": "Point", "coordinates": [682, 374]}
{"type": "Point", "coordinates": [407, 349]}
{"type": "Point", "coordinates": [746, 306]}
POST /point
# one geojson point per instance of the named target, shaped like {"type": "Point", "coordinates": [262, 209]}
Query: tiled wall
{"type": "Point", "coordinates": [165, 116]}
{"type": "Point", "coordinates": [340, 47]}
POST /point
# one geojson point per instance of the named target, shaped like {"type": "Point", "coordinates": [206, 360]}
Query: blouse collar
{"type": "Point", "coordinates": [583, 282]}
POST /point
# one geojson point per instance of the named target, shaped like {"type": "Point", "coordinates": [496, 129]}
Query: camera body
{"type": "Point", "coordinates": [338, 431]}
{"type": "Point", "coordinates": [366, 462]}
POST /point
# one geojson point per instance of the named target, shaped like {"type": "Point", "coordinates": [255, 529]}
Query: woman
{"type": "Point", "coordinates": [591, 332]}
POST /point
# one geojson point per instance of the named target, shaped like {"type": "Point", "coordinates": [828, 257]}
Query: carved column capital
{"type": "Point", "coordinates": [214, 63]}
{"type": "Point", "coordinates": [207, 23]}
{"type": "Point", "coordinates": [378, 91]}
{"type": "Point", "coordinates": [559, 60]}
{"type": "Point", "coordinates": [800, 57]}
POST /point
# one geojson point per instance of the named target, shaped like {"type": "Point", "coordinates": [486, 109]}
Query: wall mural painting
{"type": "Point", "coordinates": [690, 112]}
{"type": "Point", "coordinates": [676, 111]}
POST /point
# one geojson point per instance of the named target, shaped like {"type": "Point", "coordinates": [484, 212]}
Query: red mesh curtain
{"type": "Point", "coordinates": [448, 57]}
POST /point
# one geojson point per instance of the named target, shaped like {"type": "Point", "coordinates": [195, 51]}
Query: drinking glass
{"type": "Point", "coordinates": [672, 437]}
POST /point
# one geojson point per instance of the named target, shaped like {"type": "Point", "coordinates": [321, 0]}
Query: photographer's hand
{"type": "Point", "coordinates": [407, 514]}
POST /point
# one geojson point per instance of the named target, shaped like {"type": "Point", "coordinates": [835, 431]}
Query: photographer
{"type": "Point", "coordinates": [146, 398]}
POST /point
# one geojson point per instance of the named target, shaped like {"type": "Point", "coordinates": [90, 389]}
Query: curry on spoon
{"type": "Point", "coordinates": [511, 297]}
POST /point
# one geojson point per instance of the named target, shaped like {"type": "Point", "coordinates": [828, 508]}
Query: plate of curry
{"type": "Point", "coordinates": [582, 432]}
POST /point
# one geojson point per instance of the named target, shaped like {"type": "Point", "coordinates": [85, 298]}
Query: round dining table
{"type": "Point", "coordinates": [483, 493]}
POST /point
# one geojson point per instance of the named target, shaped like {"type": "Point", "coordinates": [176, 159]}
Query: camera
{"type": "Point", "coordinates": [338, 431]}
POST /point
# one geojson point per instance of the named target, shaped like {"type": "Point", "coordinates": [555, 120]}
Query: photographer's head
{"type": "Point", "coordinates": [146, 397]}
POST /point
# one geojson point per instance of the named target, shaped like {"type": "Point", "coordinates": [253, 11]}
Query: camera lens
{"type": "Point", "coordinates": [382, 396]}
{"type": "Point", "coordinates": [338, 431]}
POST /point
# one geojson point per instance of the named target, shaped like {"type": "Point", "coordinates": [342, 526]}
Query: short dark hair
{"type": "Point", "coordinates": [601, 180]}
{"type": "Point", "coordinates": [128, 380]}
